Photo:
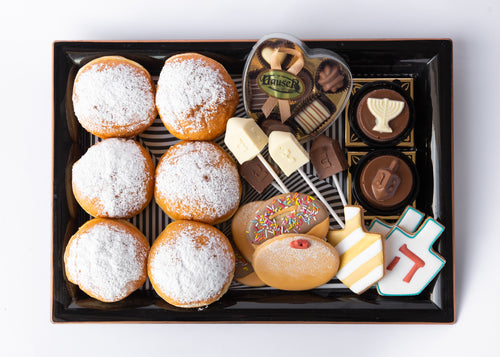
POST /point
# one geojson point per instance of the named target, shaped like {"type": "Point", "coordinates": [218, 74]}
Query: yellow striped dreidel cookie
{"type": "Point", "coordinates": [361, 253]}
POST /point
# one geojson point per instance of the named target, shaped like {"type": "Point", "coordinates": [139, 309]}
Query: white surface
{"type": "Point", "coordinates": [27, 29]}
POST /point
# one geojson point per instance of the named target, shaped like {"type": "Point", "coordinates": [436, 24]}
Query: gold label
{"type": "Point", "coordinates": [280, 84]}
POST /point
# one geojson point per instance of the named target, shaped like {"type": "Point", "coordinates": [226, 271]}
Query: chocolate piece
{"type": "Point", "coordinates": [366, 121]}
{"type": "Point", "coordinates": [327, 157]}
{"type": "Point", "coordinates": [371, 176]}
{"type": "Point", "coordinates": [255, 173]}
{"type": "Point", "coordinates": [267, 53]}
{"type": "Point", "coordinates": [266, 49]}
{"type": "Point", "coordinates": [242, 267]}
{"type": "Point", "coordinates": [270, 125]}
{"type": "Point", "coordinates": [330, 78]}
{"type": "Point", "coordinates": [386, 182]}
{"type": "Point", "coordinates": [312, 116]}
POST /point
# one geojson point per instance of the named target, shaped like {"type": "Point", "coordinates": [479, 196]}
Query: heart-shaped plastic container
{"type": "Point", "coordinates": [304, 88]}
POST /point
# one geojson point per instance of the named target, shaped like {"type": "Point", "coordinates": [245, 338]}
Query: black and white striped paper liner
{"type": "Point", "coordinates": [156, 139]}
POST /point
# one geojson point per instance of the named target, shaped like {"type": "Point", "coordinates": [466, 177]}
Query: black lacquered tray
{"type": "Point", "coordinates": [428, 62]}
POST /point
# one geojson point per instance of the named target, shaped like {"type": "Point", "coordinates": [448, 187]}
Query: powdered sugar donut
{"type": "Point", "coordinates": [107, 259]}
{"type": "Point", "coordinates": [114, 97]}
{"type": "Point", "coordinates": [191, 264]}
{"type": "Point", "coordinates": [114, 179]}
{"type": "Point", "coordinates": [195, 97]}
{"type": "Point", "coordinates": [295, 262]}
{"type": "Point", "coordinates": [197, 180]}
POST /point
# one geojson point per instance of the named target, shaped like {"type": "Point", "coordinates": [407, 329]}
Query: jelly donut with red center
{"type": "Point", "coordinates": [191, 264]}
{"type": "Point", "coordinates": [295, 262]}
{"type": "Point", "coordinates": [288, 213]}
{"type": "Point", "coordinates": [114, 97]}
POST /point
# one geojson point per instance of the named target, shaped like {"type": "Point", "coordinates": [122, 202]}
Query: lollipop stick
{"type": "Point", "coordinates": [339, 190]}
{"type": "Point", "coordinates": [276, 186]}
{"type": "Point", "coordinates": [273, 173]}
{"type": "Point", "coordinates": [321, 198]}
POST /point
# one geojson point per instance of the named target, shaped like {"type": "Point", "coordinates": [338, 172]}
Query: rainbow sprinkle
{"type": "Point", "coordinates": [264, 227]}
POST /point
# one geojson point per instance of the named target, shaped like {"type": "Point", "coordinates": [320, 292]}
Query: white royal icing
{"type": "Point", "coordinates": [410, 262]}
{"type": "Point", "coordinates": [409, 221]}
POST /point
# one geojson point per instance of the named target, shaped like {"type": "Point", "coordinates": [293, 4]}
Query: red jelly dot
{"type": "Point", "coordinates": [300, 244]}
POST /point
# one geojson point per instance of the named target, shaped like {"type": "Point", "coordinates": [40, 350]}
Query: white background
{"type": "Point", "coordinates": [27, 30]}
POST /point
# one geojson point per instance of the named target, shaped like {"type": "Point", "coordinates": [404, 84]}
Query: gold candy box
{"type": "Point", "coordinates": [307, 89]}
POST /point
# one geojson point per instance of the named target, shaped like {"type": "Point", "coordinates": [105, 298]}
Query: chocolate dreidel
{"type": "Point", "coordinates": [290, 156]}
{"type": "Point", "coordinates": [246, 140]}
{"type": "Point", "coordinates": [386, 182]}
{"type": "Point", "coordinates": [328, 160]}
{"type": "Point", "coordinates": [256, 174]}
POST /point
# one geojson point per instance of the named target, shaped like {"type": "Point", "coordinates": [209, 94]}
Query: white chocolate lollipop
{"type": "Point", "coordinates": [246, 140]}
{"type": "Point", "coordinates": [287, 152]}
{"type": "Point", "coordinates": [290, 156]}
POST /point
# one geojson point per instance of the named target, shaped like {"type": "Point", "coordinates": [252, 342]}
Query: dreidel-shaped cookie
{"type": "Point", "coordinates": [411, 264]}
{"type": "Point", "coordinates": [361, 253]}
{"type": "Point", "coordinates": [246, 140]}
{"type": "Point", "coordinates": [290, 156]}
{"type": "Point", "coordinates": [409, 221]}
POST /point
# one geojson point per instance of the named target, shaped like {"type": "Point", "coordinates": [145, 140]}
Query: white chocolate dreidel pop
{"type": "Point", "coordinates": [246, 140]}
{"type": "Point", "coordinates": [290, 156]}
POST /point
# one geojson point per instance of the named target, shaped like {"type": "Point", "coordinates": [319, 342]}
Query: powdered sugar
{"type": "Point", "coordinates": [189, 89]}
{"type": "Point", "coordinates": [188, 178]}
{"type": "Point", "coordinates": [120, 95]}
{"type": "Point", "coordinates": [189, 271]}
{"type": "Point", "coordinates": [279, 256]}
{"type": "Point", "coordinates": [105, 261]}
{"type": "Point", "coordinates": [113, 173]}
